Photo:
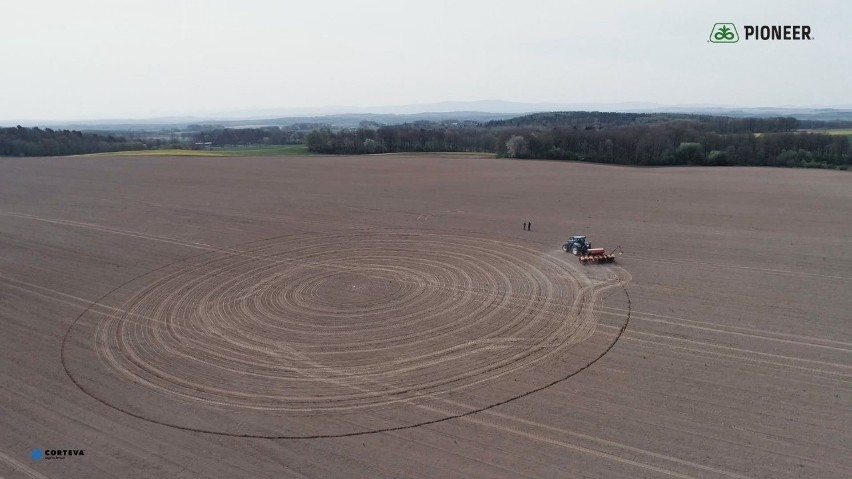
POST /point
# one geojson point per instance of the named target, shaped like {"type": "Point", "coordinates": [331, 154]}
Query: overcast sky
{"type": "Point", "coordinates": [134, 59]}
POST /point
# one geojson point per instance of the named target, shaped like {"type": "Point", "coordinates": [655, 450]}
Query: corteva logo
{"type": "Point", "coordinates": [38, 454]}
{"type": "Point", "coordinates": [727, 32]}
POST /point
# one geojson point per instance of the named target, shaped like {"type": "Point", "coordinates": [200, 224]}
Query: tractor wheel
{"type": "Point", "coordinates": [565, 248]}
{"type": "Point", "coordinates": [575, 250]}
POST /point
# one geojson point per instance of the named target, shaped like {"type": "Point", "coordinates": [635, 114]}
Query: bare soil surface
{"type": "Point", "coordinates": [387, 316]}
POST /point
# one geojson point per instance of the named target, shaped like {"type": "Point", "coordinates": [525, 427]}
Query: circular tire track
{"type": "Point", "coordinates": [316, 332]}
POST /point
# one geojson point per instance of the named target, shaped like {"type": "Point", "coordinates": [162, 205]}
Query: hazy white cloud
{"type": "Point", "coordinates": [99, 59]}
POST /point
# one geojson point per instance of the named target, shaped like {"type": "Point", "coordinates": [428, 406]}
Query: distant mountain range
{"type": "Point", "coordinates": [484, 110]}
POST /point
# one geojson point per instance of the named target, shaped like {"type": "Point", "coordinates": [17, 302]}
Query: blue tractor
{"type": "Point", "coordinates": [576, 245]}
{"type": "Point", "coordinates": [582, 249]}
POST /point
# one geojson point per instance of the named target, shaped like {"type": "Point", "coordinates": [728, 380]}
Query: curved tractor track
{"type": "Point", "coordinates": [315, 335]}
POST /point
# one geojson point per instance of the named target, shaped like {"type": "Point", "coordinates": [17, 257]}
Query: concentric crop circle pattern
{"type": "Point", "coordinates": [324, 324]}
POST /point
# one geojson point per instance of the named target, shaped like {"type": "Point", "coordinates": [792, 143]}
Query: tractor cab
{"type": "Point", "coordinates": [576, 245]}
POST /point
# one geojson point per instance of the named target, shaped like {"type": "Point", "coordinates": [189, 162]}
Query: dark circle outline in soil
{"type": "Point", "coordinates": [83, 389]}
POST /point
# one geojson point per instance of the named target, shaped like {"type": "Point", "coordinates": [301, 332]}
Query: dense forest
{"type": "Point", "coordinates": [677, 143]}
{"type": "Point", "coordinates": [22, 141]}
{"type": "Point", "coordinates": [409, 137]}
{"type": "Point", "coordinates": [618, 138]}
{"type": "Point", "coordinates": [273, 135]}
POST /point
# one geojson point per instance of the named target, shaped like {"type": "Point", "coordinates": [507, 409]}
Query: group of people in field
{"type": "Point", "coordinates": [527, 226]}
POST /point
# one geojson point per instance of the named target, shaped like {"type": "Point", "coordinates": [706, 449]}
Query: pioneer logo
{"type": "Point", "coordinates": [727, 33]}
{"type": "Point", "coordinates": [777, 32]}
{"type": "Point", "coordinates": [724, 33]}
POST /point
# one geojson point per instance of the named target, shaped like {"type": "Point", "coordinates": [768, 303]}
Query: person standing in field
{"type": "Point", "coordinates": [525, 225]}
{"type": "Point", "coordinates": [529, 226]}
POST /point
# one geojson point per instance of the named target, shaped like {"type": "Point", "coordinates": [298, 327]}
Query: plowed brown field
{"type": "Point", "coordinates": [387, 316]}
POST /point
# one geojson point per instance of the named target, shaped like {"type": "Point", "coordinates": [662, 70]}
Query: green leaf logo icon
{"type": "Point", "coordinates": [724, 33]}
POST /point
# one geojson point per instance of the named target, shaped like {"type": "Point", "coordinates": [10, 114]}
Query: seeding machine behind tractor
{"type": "Point", "coordinates": [582, 249]}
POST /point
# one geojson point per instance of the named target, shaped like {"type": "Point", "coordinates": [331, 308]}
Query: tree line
{"type": "Point", "coordinates": [616, 138]}
{"type": "Point", "coordinates": [591, 120]}
{"type": "Point", "coordinates": [20, 141]}
{"type": "Point", "coordinates": [677, 143]}
{"type": "Point", "coordinates": [272, 135]}
{"type": "Point", "coordinates": [402, 138]}
{"type": "Point", "coordinates": [600, 137]}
